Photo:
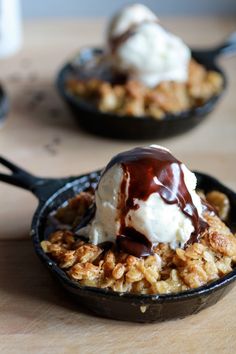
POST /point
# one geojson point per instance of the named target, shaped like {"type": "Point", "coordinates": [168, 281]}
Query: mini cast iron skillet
{"type": "Point", "coordinates": [4, 105]}
{"type": "Point", "coordinates": [124, 127]}
{"type": "Point", "coordinates": [52, 193]}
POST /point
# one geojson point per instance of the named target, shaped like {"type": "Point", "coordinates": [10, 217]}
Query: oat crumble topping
{"type": "Point", "coordinates": [166, 271]}
{"type": "Point", "coordinates": [135, 99]}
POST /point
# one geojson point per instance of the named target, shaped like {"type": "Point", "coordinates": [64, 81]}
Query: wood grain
{"type": "Point", "coordinates": [35, 314]}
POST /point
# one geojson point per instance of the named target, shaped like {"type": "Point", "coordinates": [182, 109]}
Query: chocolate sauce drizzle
{"type": "Point", "coordinates": [116, 42]}
{"type": "Point", "coordinates": [151, 170]}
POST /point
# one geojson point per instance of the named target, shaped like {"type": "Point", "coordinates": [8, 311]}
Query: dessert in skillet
{"type": "Point", "coordinates": [145, 229]}
{"type": "Point", "coordinates": [143, 70]}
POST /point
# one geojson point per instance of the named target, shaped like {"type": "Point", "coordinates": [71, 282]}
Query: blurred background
{"type": "Point", "coordinates": [13, 13]}
{"type": "Point", "coordinates": [80, 8]}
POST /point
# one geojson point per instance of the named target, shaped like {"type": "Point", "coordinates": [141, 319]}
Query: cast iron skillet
{"type": "Point", "coordinates": [4, 105]}
{"type": "Point", "coordinates": [120, 306]}
{"type": "Point", "coordinates": [114, 126]}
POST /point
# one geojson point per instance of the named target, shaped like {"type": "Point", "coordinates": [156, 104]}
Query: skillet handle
{"type": "Point", "coordinates": [42, 188]}
{"type": "Point", "coordinates": [228, 47]}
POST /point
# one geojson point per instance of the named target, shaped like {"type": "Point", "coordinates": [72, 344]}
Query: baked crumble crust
{"type": "Point", "coordinates": [166, 271]}
{"type": "Point", "coordinates": [135, 99]}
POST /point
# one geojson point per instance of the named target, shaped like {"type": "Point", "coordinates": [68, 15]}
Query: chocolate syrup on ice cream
{"type": "Point", "coordinates": [151, 170]}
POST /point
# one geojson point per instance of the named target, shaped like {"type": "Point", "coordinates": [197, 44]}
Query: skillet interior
{"type": "Point", "coordinates": [112, 125]}
{"type": "Point", "coordinates": [139, 308]}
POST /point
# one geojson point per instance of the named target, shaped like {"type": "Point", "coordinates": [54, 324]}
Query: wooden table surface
{"type": "Point", "coordinates": [41, 136]}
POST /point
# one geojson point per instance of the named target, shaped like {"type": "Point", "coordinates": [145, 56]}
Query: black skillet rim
{"type": "Point", "coordinates": [4, 104]}
{"type": "Point", "coordinates": [142, 298]}
{"type": "Point", "coordinates": [184, 115]}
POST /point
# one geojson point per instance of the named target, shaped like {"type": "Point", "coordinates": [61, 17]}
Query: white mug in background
{"type": "Point", "coordinates": [10, 27]}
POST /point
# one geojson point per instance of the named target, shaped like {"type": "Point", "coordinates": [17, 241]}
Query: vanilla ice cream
{"type": "Point", "coordinates": [145, 197]}
{"type": "Point", "coordinates": [128, 17]}
{"type": "Point", "coordinates": [140, 47]}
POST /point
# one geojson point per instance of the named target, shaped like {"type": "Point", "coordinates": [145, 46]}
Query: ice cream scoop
{"type": "Point", "coordinates": [145, 197]}
{"type": "Point", "coordinates": [144, 50]}
{"type": "Point", "coordinates": [127, 18]}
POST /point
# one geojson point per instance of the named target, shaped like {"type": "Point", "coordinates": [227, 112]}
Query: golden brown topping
{"type": "Point", "coordinates": [134, 99]}
{"type": "Point", "coordinates": [66, 238]}
{"type": "Point", "coordinates": [134, 274]}
{"type": "Point", "coordinates": [87, 253]}
{"type": "Point", "coordinates": [67, 259]}
{"type": "Point", "coordinates": [220, 202]}
{"type": "Point", "coordinates": [118, 271]}
{"type": "Point", "coordinates": [73, 212]}
{"type": "Point", "coordinates": [222, 244]}
{"type": "Point", "coordinates": [166, 271]}
{"type": "Point", "coordinates": [84, 271]}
